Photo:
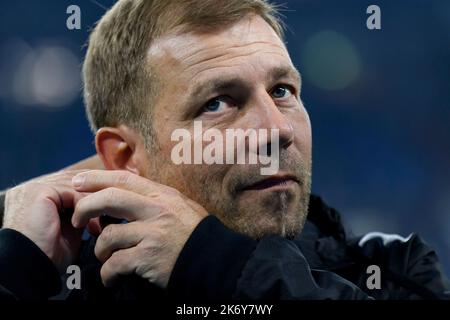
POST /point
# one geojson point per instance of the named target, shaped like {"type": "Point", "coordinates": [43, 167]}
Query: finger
{"type": "Point", "coordinates": [117, 203]}
{"type": "Point", "coordinates": [95, 180]}
{"type": "Point", "coordinates": [94, 227]}
{"type": "Point", "coordinates": [61, 177]}
{"type": "Point", "coordinates": [116, 237]}
{"type": "Point", "coordinates": [64, 197]}
{"type": "Point", "coordinates": [122, 262]}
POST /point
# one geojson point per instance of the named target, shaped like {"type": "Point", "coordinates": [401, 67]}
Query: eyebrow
{"type": "Point", "coordinates": [284, 72]}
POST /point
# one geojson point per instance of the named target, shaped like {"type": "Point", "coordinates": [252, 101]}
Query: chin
{"type": "Point", "coordinates": [256, 229]}
{"type": "Point", "coordinates": [279, 213]}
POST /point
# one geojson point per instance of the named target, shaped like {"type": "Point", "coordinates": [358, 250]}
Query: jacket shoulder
{"type": "Point", "coordinates": [409, 266]}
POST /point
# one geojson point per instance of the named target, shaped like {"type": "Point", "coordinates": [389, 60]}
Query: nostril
{"type": "Point", "coordinates": [287, 137]}
{"type": "Point", "coordinates": [287, 143]}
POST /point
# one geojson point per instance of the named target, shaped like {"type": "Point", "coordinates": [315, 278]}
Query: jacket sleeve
{"type": "Point", "coordinates": [26, 273]}
{"type": "Point", "coordinates": [217, 263]}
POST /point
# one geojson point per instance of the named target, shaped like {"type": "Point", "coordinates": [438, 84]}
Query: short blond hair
{"type": "Point", "coordinates": [119, 85]}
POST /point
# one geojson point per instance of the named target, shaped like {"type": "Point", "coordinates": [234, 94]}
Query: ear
{"type": "Point", "coordinates": [121, 148]}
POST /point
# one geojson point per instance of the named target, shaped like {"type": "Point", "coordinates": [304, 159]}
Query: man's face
{"type": "Point", "coordinates": [238, 77]}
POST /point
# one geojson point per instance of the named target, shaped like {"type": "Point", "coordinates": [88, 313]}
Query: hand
{"type": "Point", "coordinates": [41, 210]}
{"type": "Point", "coordinates": [161, 219]}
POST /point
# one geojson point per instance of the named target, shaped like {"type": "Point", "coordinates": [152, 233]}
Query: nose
{"type": "Point", "coordinates": [268, 116]}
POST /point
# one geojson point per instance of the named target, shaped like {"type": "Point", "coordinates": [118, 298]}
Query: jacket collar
{"type": "Point", "coordinates": [323, 239]}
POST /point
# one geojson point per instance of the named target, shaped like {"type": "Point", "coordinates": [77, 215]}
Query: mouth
{"type": "Point", "coordinates": [273, 182]}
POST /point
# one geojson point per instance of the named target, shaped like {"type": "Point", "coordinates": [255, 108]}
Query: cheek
{"type": "Point", "coordinates": [303, 134]}
{"type": "Point", "coordinates": [203, 184]}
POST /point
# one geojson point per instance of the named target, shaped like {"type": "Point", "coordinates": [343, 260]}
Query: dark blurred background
{"type": "Point", "coordinates": [378, 101]}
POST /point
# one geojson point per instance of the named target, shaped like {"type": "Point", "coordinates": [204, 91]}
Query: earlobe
{"type": "Point", "coordinates": [117, 149]}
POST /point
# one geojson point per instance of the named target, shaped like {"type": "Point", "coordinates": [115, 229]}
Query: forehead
{"type": "Point", "coordinates": [189, 54]}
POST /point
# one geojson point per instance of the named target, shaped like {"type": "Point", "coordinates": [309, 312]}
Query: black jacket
{"type": "Point", "coordinates": [217, 263]}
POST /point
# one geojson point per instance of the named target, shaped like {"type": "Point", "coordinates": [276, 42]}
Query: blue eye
{"type": "Point", "coordinates": [280, 92]}
{"type": "Point", "coordinates": [215, 105]}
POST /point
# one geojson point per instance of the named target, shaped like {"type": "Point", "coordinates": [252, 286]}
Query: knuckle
{"type": "Point", "coordinates": [158, 237]}
{"type": "Point", "coordinates": [111, 194]}
{"type": "Point", "coordinates": [106, 234]}
{"type": "Point", "coordinates": [173, 192]}
{"type": "Point", "coordinates": [123, 177]}
{"type": "Point", "coordinates": [33, 190]}
{"type": "Point", "coordinates": [148, 249]}
{"type": "Point", "coordinates": [116, 260]}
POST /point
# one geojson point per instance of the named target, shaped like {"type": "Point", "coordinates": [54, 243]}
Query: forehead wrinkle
{"type": "Point", "coordinates": [228, 47]}
{"type": "Point", "coordinates": [236, 50]}
{"type": "Point", "coordinates": [187, 51]}
{"type": "Point", "coordinates": [209, 64]}
{"type": "Point", "coordinates": [190, 49]}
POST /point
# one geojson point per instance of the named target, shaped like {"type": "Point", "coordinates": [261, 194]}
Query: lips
{"type": "Point", "coordinates": [272, 181]}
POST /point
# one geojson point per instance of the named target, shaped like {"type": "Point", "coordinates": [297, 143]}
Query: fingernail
{"type": "Point", "coordinates": [78, 181]}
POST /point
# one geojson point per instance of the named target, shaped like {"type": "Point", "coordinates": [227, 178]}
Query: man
{"type": "Point", "coordinates": [209, 231]}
